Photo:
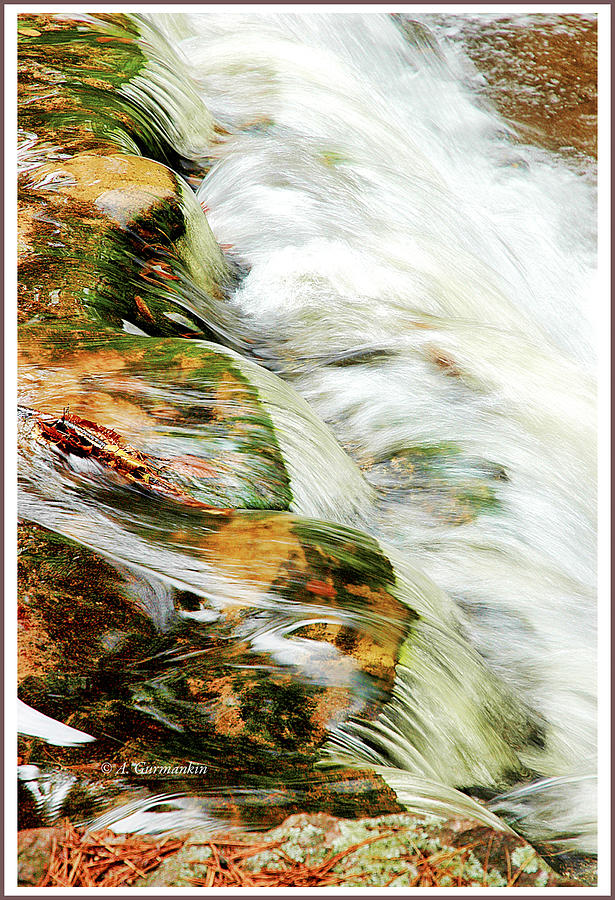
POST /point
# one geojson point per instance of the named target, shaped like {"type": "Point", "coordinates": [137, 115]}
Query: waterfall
{"type": "Point", "coordinates": [406, 324]}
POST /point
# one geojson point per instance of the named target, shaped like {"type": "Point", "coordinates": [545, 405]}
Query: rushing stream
{"type": "Point", "coordinates": [307, 424]}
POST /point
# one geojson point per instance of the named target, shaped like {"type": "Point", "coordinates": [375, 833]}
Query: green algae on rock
{"type": "Point", "coordinates": [341, 620]}
{"type": "Point", "coordinates": [218, 686]}
{"type": "Point", "coordinates": [119, 239]}
{"type": "Point", "coordinates": [445, 482]}
{"type": "Point", "coordinates": [154, 681]}
{"type": "Point", "coordinates": [103, 232]}
{"type": "Point", "coordinates": [231, 433]}
{"type": "Point", "coordinates": [325, 647]}
{"type": "Point", "coordinates": [74, 608]}
{"type": "Point", "coordinates": [100, 82]}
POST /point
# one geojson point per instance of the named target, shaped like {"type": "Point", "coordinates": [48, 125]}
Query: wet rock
{"type": "Point", "coordinates": [74, 436]}
{"type": "Point", "coordinates": [539, 70]}
{"type": "Point", "coordinates": [101, 82]}
{"type": "Point", "coordinates": [195, 417]}
{"type": "Point", "coordinates": [448, 485]}
{"type": "Point", "coordinates": [312, 653]}
{"type": "Point", "coordinates": [224, 431]}
{"type": "Point", "coordinates": [69, 601]}
{"type": "Point", "coordinates": [103, 232]}
{"type": "Point", "coordinates": [120, 239]}
{"type": "Point", "coordinates": [194, 685]}
{"type": "Point", "coordinates": [208, 686]}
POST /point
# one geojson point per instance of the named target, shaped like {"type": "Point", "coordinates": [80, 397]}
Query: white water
{"type": "Point", "coordinates": [377, 207]}
{"type": "Point", "coordinates": [386, 222]}
{"type": "Point", "coordinates": [31, 721]}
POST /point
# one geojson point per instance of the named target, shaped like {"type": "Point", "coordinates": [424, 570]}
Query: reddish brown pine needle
{"type": "Point", "coordinates": [99, 859]}
{"type": "Point", "coordinates": [104, 859]}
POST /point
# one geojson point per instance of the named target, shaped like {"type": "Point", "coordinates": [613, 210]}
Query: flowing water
{"type": "Point", "coordinates": [380, 400]}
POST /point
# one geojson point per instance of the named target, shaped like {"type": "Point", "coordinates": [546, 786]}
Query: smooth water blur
{"type": "Point", "coordinates": [425, 280]}
{"type": "Point", "coordinates": [381, 208]}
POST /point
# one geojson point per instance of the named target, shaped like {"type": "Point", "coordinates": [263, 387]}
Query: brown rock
{"type": "Point", "coordinates": [34, 849]}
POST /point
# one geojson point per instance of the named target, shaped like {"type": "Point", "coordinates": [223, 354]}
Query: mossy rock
{"type": "Point", "coordinates": [197, 687]}
{"type": "Point", "coordinates": [316, 652]}
{"type": "Point", "coordinates": [74, 609]}
{"type": "Point", "coordinates": [180, 688]}
{"type": "Point", "coordinates": [225, 431]}
{"type": "Point", "coordinates": [119, 239]}
{"type": "Point", "coordinates": [92, 84]}
{"type": "Point", "coordinates": [442, 481]}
